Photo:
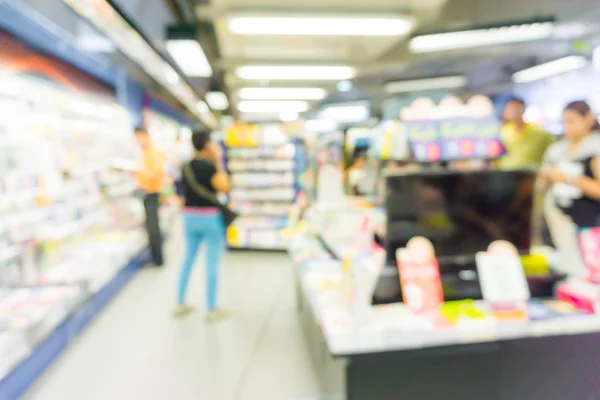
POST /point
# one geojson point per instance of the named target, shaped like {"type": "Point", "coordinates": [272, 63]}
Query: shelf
{"type": "Point", "coordinates": [262, 201]}
{"type": "Point", "coordinates": [18, 381]}
{"type": "Point", "coordinates": [257, 248]}
{"type": "Point", "coordinates": [262, 171]}
{"type": "Point", "coordinates": [264, 186]}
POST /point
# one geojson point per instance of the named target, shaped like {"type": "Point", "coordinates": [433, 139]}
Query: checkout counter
{"type": "Point", "coordinates": [365, 350]}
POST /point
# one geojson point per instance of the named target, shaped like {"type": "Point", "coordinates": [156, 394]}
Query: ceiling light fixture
{"type": "Point", "coordinates": [516, 33]}
{"type": "Point", "coordinates": [344, 86]}
{"type": "Point", "coordinates": [345, 113]}
{"type": "Point", "coordinates": [202, 107]}
{"type": "Point", "coordinates": [249, 106]}
{"type": "Point", "coordinates": [549, 69]}
{"type": "Point", "coordinates": [296, 73]}
{"type": "Point", "coordinates": [321, 26]}
{"type": "Point", "coordinates": [320, 125]}
{"type": "Point", "coordinates": [190, 57]}
{"type": "Point", "coordinates": [217, 100]}
{"type": "Point", "coordinates": [288, 116]}
{"type": "Point", "coordinates": [276, 93]}
{"type": "Point", "coordinates": [596, 58]}
{"type": "Point", "coordinates": [416, 85]}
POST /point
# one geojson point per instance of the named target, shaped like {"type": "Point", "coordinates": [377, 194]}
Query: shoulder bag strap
{"type": "Point", "coordinates": [197, 187]}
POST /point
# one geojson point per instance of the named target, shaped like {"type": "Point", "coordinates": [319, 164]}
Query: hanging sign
{"type": "Point", "coordinates": [452, 130]}
{"type": "Point", "coordinates": [455, 139]}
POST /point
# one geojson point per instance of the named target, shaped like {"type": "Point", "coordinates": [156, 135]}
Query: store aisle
{"type": "Point", "coordinates": [136, 350]}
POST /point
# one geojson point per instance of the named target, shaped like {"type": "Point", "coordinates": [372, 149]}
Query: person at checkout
{"type": "Point", "coordinates": [525, 143]}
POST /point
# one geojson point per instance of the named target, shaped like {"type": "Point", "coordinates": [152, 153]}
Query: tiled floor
{"type": "Point", "coordinates": [136, 350]}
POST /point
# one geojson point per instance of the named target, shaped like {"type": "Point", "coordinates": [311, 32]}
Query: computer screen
{"type": "Point", "coordinates": [460, 212]}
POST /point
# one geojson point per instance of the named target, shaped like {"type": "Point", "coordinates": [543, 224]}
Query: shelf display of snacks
{"type": "Point", "coordinates": [264, 179]}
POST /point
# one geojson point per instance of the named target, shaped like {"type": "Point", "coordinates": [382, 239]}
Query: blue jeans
{"type": "Point", "coordinates": [198, 228]}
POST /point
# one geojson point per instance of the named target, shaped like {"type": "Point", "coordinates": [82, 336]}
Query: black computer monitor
{"type": "Point", "coordinates": [460, 212]}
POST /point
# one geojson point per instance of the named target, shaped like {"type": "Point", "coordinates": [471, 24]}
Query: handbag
{"type": "Point", "coordinates": [228, 215]}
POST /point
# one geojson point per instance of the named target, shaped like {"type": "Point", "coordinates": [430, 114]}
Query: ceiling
{"type": "Point", "coordinates": [377, 59]}
{"type": "Point", "coordinates": [381, 59]}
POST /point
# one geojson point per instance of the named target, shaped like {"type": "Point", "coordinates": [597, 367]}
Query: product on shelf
{"type": "Point", "coordinates": [265, 181]}
{"type": "Point", "coordinates": [69, 222]}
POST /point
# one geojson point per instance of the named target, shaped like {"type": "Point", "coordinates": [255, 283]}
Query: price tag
{"type": "Point", "coordinates": [502, 278]}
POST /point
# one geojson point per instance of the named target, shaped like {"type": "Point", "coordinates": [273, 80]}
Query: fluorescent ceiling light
{"type": "Point", "coordinates": [552, 68]}
{"type": "Point", "coordinates": [189, 56]}
{"type": "Point", "coordinates": [202, 107]}
{"type": "Point", "coordinates": [349, 113]}
{"type": "Point", "coordinates": [320, 125]}
{"type": "Point", "coordinates": [481, 37]}
{"type": "Point", "coordinates": [171, 75]}
{"type": "Point", "coordinates": [288, 116]}
{"type": "Point", "coordinates": [275, 93]}
{"type": "Point", "coordinates": [217, 100]}
{"type": "Point", "coordinates": [321, 26]}
{"type": "Point", "coordinates": [415, 85]}
{"type": "Point", "coordinates": [299, 73]}
{"type": "Point", "coordinates": [249, 106]}
{"type": "Point", "coordinates": [344, 86]}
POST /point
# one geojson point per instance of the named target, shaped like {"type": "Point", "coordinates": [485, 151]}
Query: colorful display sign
{"type": "Point", "coordinates": [452, 130]}
{"type": "Point", "coordinates": [420, 275]}
{"type": "Point", "coordinates": [455, 139]}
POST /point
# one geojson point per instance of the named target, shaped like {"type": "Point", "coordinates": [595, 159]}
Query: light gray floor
{"type": "Point", "coordinates": [136, 350]}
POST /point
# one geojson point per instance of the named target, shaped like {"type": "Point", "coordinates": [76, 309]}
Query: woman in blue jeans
{"type": "Point", "coordinates": [202, 221]}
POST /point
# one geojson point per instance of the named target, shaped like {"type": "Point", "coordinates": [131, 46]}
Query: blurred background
{"type": "Point", "coordinates": [340, 130]}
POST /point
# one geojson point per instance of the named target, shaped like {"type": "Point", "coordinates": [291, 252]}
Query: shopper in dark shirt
{"type": "Point", "coordinates": [202, 220]}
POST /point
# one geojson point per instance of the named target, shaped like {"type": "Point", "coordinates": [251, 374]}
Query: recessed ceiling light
{"type": "Point", "coordinates": [217, 100]}
{"type": "Point", "coordinates": [202, 107]}
{"type": "Point", "coordinates": [321, 26]}
{"type": "Point", "coordinates": [190, 57]}
{"type": "Point", "coordinates": [344, 86]}
{"type": "Point", "coordinates": [291, 73]}
{"type": "Point", "coordinates": [552, 68]}
{"type": "Point", "coordinates": [276, 93]}
{"type": "Point", "coordinates": [249, 106]}
{"type": "Point", "coordinates": [416, 85]}
{"type": "Point", "coordinates": [481, 37]}
{"type": "Point", "coordinates": [288, 116]}
{"type": "Point", "coordinates": [320, 125]}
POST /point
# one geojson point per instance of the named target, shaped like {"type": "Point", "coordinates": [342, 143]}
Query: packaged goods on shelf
{"type": "Point", "coordinates": [69, 222]}
{"type": "Point", "coordinates": [28, 315]}
{"type": "Point", "coordinates": [265, 185]}
{"type": "Point", "coordinates": [56, 204]}
{"type": "Point", "coordinates": [260, 165]}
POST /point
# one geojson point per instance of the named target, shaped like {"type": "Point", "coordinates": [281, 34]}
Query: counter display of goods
{"type": "Point", "coordinates": [264, 183]}
{"type": "Point", "coordinates": [505, 356]}
{"type": "Point", "coordinates": [66, 200]}
{"type": "Point", "coordinates": [28, 315]}
{"type": "Point", "coordinates": [70, 222]}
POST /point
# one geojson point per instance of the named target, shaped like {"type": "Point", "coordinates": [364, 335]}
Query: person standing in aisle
{"type": "Point", "coordinates": [525, 143]}
{"type": "Point", "coordinates": [182, 152]}
{"type": "Point", "coordinates": [151, 177]}
{"type": "Point", "coordinates": [574, 163]}
{"type": "Point", "coordinates": [203, 178]}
